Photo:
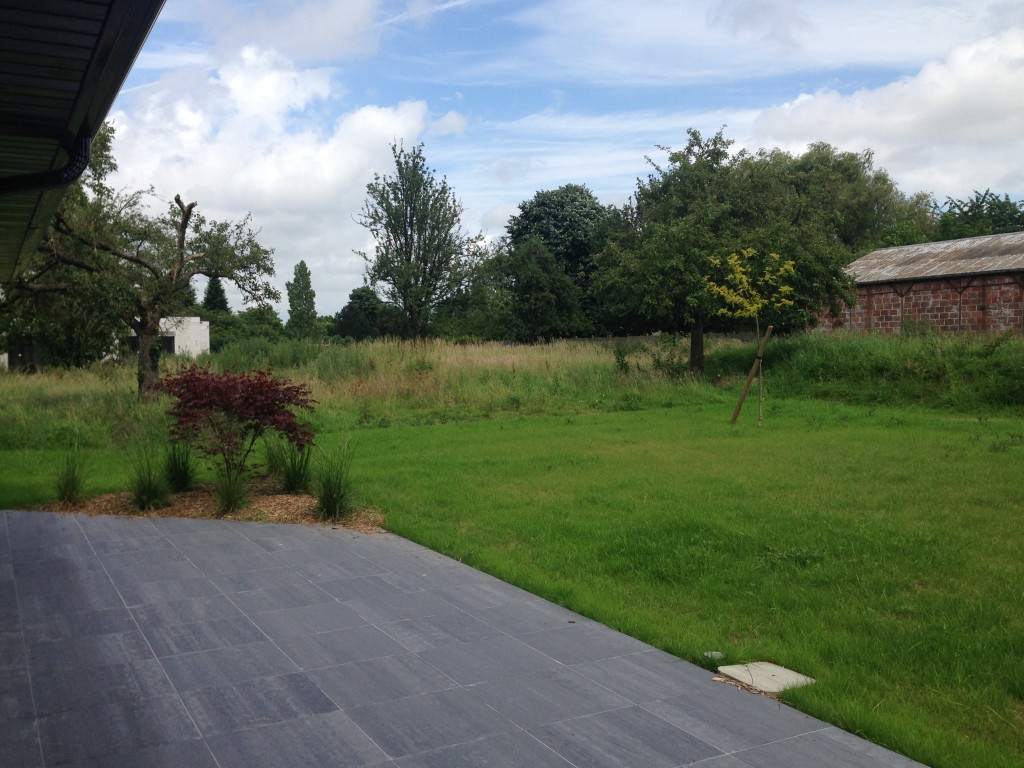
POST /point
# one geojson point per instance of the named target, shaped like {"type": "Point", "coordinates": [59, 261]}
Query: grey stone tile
{"type": "Point", "coordinates": [130, 683]}
{"type": "Point", "coordinates": [186, 611]}
{"type": "Point", "coordinates": [63, 626]}
{"type": "Point", "coordinates": [575, 643]}
{"type": "Point", "coordinates": [236, 562]}
{"type": "Point", "coordinates": [333, 566]}
{"type": "Point", "coordinates": [65, 581]}
{"type": "Point", "coordinates": [477, 595]}
{"type": "Point", "coordinates": [443, 630]}
{"type": "Point", "coordinates": [97, 596]}
{"type": "Point", "coordinates": [26, 569]}
{"type": "Point", "coordinates": [179, 570]}
{"type": "Point", "coordinates": [376, 680]}
{"type": "Point", "coordinates": [326, 649]}
{"type": "Point", "coordinates": [50, 656]}
{"type": "Point", "coordinates": [515, 750]}
{"type": "Point", "coordinates": [110, 728]}
{"type": "Point", "coordinates": [830, 746]}
{"type": "Point", "coordinates": [172, 639]}
{"type": "Point", "coordinates": [132, 561]}
{"type": "Point", "coordinates": [267, 578]}
{"type": "Point", "coordinates": [547, 697]}
{"type": "Point", "coordinates": [226, 708]}
{"type": "Point", "coordinates": [276, 598]}
{"type": "Point", "coordinates": [224, 666]}
{"type": "Point", "coordinates": [432, 721]}
{"type": "Point", "coordinates": [522, 617]}
{"type": "Point", "coordinates": [647, 676]}
{"type": "Point", "coordinates": [19, 743]}
{"type": "Point", "coordinates": [120, 545]}
{"type": "Point", "coordinates": [181, 754]}
{"type": "Point", "coordinates": [311, 742]}
{"type": "Point", "coordinates": [623, 737]}
{"type": "Point", "coordinates": [392, 608]}
{"type": "Point", "coordinates": [15, 696]}
{"type": "Point", "coordinates": [490, 659]}
{"type": "Point", "coordinates": [731, 719]}
{"type": "Point", "coordinates": [307, 620]}
{"type": "Point", "coordinates": [367, 587]}
{"type": "Point", "coordinates": [147, 592]}
{"type": "Point", "coordinates": [12, 654]}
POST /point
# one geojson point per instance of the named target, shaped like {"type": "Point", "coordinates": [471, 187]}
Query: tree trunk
{"type": "Point", "coordinates": [697, 345]}
{"type": "Point", "coordinates": [148, 333]}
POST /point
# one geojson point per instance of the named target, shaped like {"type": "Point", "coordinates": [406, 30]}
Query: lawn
{"type": "Point", "coordinates": [874, 548]}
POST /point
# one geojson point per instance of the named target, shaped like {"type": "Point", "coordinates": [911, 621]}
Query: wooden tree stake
{"type": "Point", "coordinates": [750, 376]}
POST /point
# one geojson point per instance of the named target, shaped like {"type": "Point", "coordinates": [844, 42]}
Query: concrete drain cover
{"type": "Point", "coordinates": [765, 676]}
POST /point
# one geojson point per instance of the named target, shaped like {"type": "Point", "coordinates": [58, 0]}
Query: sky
{"type": "Point", "coordinates": [286, 109]}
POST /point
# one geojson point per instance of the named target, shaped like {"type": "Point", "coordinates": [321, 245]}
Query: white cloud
{"type": "Point", "coordinates": [210, 139]}
{"type": "Point", "coordinates": [952, 127]}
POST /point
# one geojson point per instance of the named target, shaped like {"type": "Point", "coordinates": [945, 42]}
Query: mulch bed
{"type": "Point", "coordinates": [265, 505]}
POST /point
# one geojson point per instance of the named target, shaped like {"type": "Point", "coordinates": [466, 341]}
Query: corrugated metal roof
{"type": "Point", "coordinates": [949, 258]}
{"type": "Point", "coordinates": [61, 65]}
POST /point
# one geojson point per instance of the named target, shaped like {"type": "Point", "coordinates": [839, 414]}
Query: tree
{"type": "Point", "coordinates": [819, 211]}
{"type": "Point", "coordinates": [147, 262]}
{"type": "Point", "coordinates": [302, 318]}
{"type": "Point", "coordinates": [421, 253]}
{"type": "Point", "coordinates": [984, 213]}
{"type": "Point", "coordinates": [215, 299]}
{"type": "Point", "coordinates": [360, 318]}
{"type": "Point", "coordinates": [571, 223]}
{"type": "Point", "coordinates": [542, 302]}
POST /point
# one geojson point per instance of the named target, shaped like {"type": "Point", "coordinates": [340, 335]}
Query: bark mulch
{"type": "Point", "coordinates": [265, 505]}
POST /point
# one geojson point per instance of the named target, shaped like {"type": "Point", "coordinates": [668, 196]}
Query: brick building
{"type": "Point", "coordinates": [973, 285]}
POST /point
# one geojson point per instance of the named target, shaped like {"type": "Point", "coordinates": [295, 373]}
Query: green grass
{"type": "Point", "coordinates": [875, 550]}
{"type": "Point", "coordinates": [856, 537]}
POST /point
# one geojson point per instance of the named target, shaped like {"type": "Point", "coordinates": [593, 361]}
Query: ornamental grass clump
{"type": "Point", "coordinates": [223, 415]}
{"type": "Point", "coordinates": [70, 479]}
{"type": "Point", "coordinates": [149, 485]}
{"type": "Point", "coordinates": [332, 485]}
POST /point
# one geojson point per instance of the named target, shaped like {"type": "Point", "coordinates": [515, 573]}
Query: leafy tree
{"type": "Point", "coordinates": [360, 318]}
{"type": "Point", "coordinates": [570, 222]}
{"type": "Point", "coordinates": [302, 318]}
{"type": "Point", "coordinates": [421, 254]}
{"type": "Point", "coordinates": [984, 213]}
{"type": "Point", "coordinates": [542, 302]}
{"type": "Point", "coordinates": [819, 210]}
{"type": "Point", "coordinates": [147, 262]}
{"type": "Point", "coordinates": [215, 299]}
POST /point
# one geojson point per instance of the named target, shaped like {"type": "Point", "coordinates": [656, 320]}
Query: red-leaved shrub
{"type": "Point", "coordinates": [224, 414]}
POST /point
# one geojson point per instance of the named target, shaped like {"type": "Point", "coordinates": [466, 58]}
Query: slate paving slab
{"type": "Point", "coordinates": [204, 643]}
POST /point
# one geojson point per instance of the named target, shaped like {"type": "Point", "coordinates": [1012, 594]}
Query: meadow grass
{"type": "Point", "coordinates": [860, 539]}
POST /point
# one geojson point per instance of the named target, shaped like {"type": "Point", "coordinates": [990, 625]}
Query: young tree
{"type": "Point", "coordinates": [149, 261]}
{"type": "Point", "coordinates": [215, 299]}
{"type": "Point", "coordinates": [421, 252]}
{"type": "Point", "coordinates": [302, 319]}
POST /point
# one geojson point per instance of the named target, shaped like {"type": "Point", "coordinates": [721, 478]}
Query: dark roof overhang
{"type": "Point", "coordinates": [62, 63]}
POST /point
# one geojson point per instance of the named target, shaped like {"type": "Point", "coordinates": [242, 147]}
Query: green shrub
{"type": "Point", "coordinates": [180, 467]}
{"type": "Point", "coordinates": [232, 491]}
{"type": "Point", "coordinates": [332, 484]}
{"type": "Point", "coordinates": [149, 486]}
{"type": "Point", "coordinates": [71, 477]}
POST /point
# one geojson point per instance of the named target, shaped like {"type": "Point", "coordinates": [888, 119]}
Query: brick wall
{"type": "Point", "coordinates": [978, 304]}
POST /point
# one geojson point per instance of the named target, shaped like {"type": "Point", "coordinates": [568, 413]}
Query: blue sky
{"type": "Point", "coordinates": [286, 109]}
